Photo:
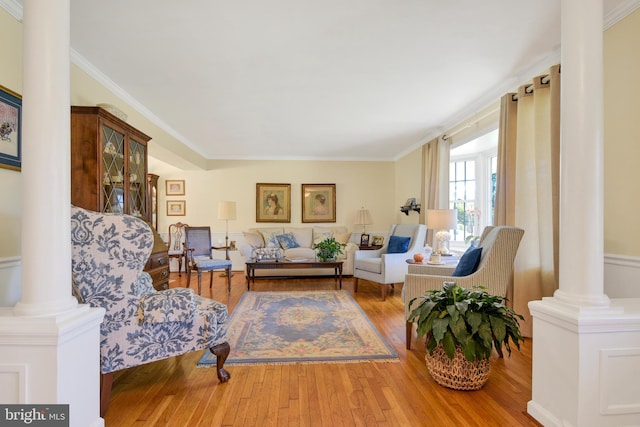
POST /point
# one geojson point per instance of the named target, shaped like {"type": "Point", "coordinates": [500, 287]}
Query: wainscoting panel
{"type": "Point", "coordinates": [13, 378]}
{"type": "Point", "coordinates": [616, 366]}
{"type": "Point", "coordinates": [621, 276]}
{"type": "Point", "coordinates": [10, 281]}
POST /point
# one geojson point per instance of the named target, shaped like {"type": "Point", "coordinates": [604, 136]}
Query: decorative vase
{"type": "Point", "coordinates": [457, 373]}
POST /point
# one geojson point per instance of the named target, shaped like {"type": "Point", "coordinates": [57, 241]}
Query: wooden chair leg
{"type": "Point", "coordinates": [222, 352]}
{"type": "Point", "coordinates": [409, 334]}
{"type": "Point", "coordinates": [179, 266]}
{"type": "Point", "coordinates": [383, 288]}
{"type": "Point", "coordinates": [229, 273]}
{"type": "Point", "coordinates": [355, 285]}
{"type": "Point", "coordinates": [211, 280]}
{"type": "Point", "coordinates": [199, 282]}
{"type": "Point", "coordinates": [105, 392]}
{"type": "Point", "coordinates": [188, 270]}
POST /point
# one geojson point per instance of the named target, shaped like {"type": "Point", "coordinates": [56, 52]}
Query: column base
{"type": "Point", "coordinates": [53, 360]}
{"type": "Point", "coordinates": [585, 364]}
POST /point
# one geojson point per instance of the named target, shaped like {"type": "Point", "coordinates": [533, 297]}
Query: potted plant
{"type": "Point", "coordinates": [462, 326]}
{"type": "Point", "coordinates": [328, 249]}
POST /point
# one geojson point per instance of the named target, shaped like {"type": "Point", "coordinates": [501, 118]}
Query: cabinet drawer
{"type": "Point", "coordinates": [159, 274]}
{"type": "Point", "coordinates": [157, 261]}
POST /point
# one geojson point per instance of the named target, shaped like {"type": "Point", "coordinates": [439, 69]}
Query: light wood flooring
{"type": "Point", "coordinates": [174, 392]}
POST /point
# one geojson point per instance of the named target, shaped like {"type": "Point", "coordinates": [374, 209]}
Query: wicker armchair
{"type": "Point", "coordinates": [499, 247]}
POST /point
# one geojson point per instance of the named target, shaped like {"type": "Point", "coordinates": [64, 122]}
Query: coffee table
{"type": "Point", "coordinates": [252, 266]}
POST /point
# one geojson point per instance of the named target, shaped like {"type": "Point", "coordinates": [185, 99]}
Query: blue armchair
{"type": "Point", "coordinates": [141, 325]}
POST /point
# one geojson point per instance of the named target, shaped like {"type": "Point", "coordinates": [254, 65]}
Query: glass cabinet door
{"type": "Point", "coordinates": [113, 170]}
{"type": "Point", "coordinates": [137, 179]}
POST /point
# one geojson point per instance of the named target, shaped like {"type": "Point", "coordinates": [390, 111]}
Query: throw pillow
{"type": "Point", "coordinates": [270, 238]}
{"type": "Point", "coordinates": [342, 237]}
{"type": "Point", "coordinates": [468, 262]}
{"type": "Point", "coordinates": [398, 244]}
{"type": "Point", "coordinates": [320, 236]}
{"type": "Point", "coordinates": [287, 241]}
{"type": "Point", "coordinates": [254, 240]}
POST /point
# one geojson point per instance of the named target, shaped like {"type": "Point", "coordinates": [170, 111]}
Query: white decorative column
{"type": "Point", "coordinates": [49, 345]}
{"type": "Point", "coordinates": [586, 348]}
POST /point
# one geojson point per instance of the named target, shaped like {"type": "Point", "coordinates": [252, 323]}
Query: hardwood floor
{"type": "Point", "coordinates": [174, 392]}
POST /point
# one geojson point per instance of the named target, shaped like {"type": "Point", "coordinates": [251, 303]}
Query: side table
{"type": "Point", "coordinates": [370, 247]}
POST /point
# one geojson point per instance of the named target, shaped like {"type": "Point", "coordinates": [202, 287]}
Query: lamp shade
{"type": "Point", "coordinates": [226, 210]}
{"type": "Point", "coordinates": [442, 219]}
{"type": "Point", "coordinates": [363, 217]}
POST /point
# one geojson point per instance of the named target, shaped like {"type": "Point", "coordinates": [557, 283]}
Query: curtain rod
{"type": "Point", "coordinates": [468, 125]}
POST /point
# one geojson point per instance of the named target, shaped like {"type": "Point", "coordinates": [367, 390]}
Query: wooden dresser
{"type": "Point", "coordinates": [109, 174]}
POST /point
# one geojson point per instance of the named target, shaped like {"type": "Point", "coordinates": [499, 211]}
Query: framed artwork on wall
{"type": "Point", "coordinates": [175, 187]}
{"type": "Point", "coordinates": [273, 202]}
{"type": "Point", "coordinates": [10, 129]}
{"type": "Point", "coordinates": [318, 203]}
{"type": "Point", "coordinates": [176, 207]}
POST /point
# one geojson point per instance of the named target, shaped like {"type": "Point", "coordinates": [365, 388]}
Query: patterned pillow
{"type": "Point", "coordinates": [270, 237]}
{"type": "Point", "coordinates": [287, 241]}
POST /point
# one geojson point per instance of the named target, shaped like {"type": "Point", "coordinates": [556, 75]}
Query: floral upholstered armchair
{"type": "Point", "coordinates": [141, 325]}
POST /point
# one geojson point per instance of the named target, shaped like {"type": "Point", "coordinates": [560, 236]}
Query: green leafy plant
{"type": "Point", "coordinates": [469, 318]}
{"type": "Point", "coordinates": [329, 248]}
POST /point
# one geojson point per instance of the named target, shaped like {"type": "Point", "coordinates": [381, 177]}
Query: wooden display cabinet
{"type": "Point", "coordinates": [109, 173]}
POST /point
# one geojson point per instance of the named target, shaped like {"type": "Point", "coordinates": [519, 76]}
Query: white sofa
{"type": "Point", "coordinates": [305, 237]}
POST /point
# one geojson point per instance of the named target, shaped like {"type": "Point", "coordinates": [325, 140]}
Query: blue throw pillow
{"type": "Point", "coordinates": [468, 262]}
{"type": "Point", "coordinates": [287, 241]}
{"type": "Point", "coordinates": [398, 244]}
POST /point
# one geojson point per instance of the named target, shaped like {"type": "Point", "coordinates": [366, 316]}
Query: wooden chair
{"type": "Point", "coordinates": [199, 256]}
{"type": "Point", "coordinates": [176, 244]}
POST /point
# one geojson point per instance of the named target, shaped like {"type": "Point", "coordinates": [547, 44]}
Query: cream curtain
{"type": "Point", "coordinates": [435, 163]}
{"type": "Point", "coordinates": [527, 187]}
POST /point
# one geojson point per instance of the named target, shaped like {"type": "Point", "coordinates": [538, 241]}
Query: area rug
{"type": "Point", "coordinates": [301, 327]}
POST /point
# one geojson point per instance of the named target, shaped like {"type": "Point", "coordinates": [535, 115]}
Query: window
{"type": "Point", "coordinates": [472, 185]}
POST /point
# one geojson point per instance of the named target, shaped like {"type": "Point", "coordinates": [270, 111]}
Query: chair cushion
{"type": "Point", "coordinates": [287, 241]}
{"type": "Point", "coordinates": [211, 264]}
{"type": "Point", "coordinates": [398, 244]}
{"type": "Point", "coordinates": [373, 265]}
{"type": "Point", "coordinates": [468, 262]}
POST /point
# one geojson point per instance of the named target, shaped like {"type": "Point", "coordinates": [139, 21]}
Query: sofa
{"type": "Point", "coordinates": [296, 243]}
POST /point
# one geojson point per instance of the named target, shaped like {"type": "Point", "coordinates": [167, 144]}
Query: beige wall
{"type": "Point", "coordinates": [368, 184]}
{"type": "Point", "coordinates": [622, 137]}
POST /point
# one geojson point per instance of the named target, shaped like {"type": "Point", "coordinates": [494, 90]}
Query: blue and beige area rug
{"type": "Point", "coordinates": [301, 327]}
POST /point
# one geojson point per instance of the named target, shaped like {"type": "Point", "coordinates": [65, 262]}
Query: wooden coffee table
{"type": "Point", "coordinates": [252, 266]}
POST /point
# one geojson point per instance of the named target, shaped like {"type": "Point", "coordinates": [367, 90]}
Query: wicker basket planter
{"type": "Point", "coordinates": [457, 373]}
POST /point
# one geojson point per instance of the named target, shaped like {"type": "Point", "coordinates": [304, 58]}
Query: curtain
{"type": "Point", "coordinates": [527, 186]}
{"type": "Point", "coordinates": [435, 163]}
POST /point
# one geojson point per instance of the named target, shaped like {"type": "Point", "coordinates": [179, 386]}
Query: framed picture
{"type": "Point", "coordinates": [318, 203]}
{"type": "Point", "coordinates": [364, 240]}
{"type": "Point", "coordinates": [175, 187]}
{"type": "Point", "coordinates": [176, 207]}
{"type": "Point", "coordinates": [273, 202]}
{"type": "Point", "coordinates": [377, 240]}
{"type": "Point", "coordinates": [10, 129]}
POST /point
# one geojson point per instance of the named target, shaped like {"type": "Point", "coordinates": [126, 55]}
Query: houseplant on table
{"type": "Point", "coordinates": [462, 326]}
{"type": "Point", "coordinates": [328, 249]}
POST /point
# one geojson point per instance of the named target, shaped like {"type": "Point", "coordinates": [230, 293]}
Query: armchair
{"type": "Point", "coordinates": [141, 325]}
{"type": "Point", "coordinates": [176, 244]}
{"type": "Point", "coordinates": [199, 258]}
{"type": "Point", "coordinates": [389, 268]}
{"type": "Point", "coordinates": [499, 247]}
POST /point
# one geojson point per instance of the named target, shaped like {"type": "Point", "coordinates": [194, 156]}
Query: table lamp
{"type": "Point", "coordinates": [227, 211]}
{"type": "Point", "coordinates": [441, 221]}
{"type": "Point", "coordinates": [363, 218]}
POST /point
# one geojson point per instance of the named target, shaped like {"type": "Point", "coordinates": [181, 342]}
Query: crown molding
{"type": "Point", "coordinates": [13, 8]}
{"type": "Point", "coordinates": [619, 12]}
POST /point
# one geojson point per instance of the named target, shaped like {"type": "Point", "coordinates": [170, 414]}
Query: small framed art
{"type": "Point", "coordinates": [175, 187]}
{"type": "Point", "coordinates": [318, 203]}
{"type": "Point", "coordinates": [364, 240]}
{"type": "Point", "coordinates": [273, 202]}
{"type": "Point", "coordinates": [377, 240]}
{"type": "Point", "coordinates": [10, 129]}
{"type": "Point", "coordinates": [176, 207]}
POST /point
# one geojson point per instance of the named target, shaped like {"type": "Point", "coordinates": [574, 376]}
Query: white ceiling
{"type": "Point", "coordinates": [331, 79]}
